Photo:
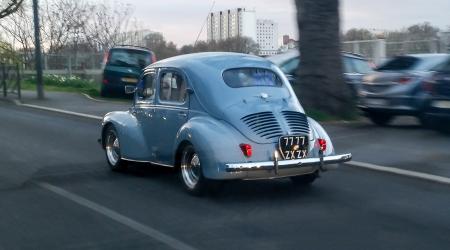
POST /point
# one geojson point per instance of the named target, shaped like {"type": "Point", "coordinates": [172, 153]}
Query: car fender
{"type": "Point", "coordinates": [319, 132]}
{"type": "Point", "coordinates": [131, 138]}
{"type": "Point", "coordinates": [216, 142]}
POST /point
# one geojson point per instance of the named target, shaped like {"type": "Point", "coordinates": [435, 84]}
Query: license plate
{"type": "Point", "coordinates": [376, 102]}
{"type": "Point", "coordinates": [129, 80]}
{"type": "Point", "coordinates": [441, 104]}
{"type": "Point", "coordinates": [293, 147]}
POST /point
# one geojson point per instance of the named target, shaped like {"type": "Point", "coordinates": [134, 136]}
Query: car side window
{"type": "Point", "coordinates": [290, 67]}
{"type": "Point", "coordinates": [445, 67]}
{"type": "Point", "coordinates": [172, 87]}
{"type": "Point", "coordinates": [348, 65]}
{"type": "Point", "coordinates": [146, 87]}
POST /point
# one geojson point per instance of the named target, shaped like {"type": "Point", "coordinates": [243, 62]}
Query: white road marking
{"type": "Point", "coordinates": [91, 98]}
{"type": "Point", "coordinates": [62, 111]}
{"type": "Point", "coordinates": [149, 231]}
{"type": "Point", "coordinates": [104, 101]}
{"type": "Point", "coordinates": [398, 171]}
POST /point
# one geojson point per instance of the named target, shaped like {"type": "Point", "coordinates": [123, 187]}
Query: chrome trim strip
{"type": "Point", "coordinates": [151, 162]}
{"type": "Point", "coordinates": [270, 165]}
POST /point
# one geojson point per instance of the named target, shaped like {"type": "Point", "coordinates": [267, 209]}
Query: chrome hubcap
{"type": "Point", "coordinates": [112, 148]}
{"type": "Point", "coordinates": [190, 169]}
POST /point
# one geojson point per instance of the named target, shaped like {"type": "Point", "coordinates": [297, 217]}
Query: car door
{"type": "Point", "coordinates": [171, 112]}
{"type": "Point", "coordinates": [144, 109]}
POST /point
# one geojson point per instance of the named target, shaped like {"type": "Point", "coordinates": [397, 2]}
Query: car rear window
{"type": "Point", "coordinates": [413, 63]}
{"type": "Point", "coordinates": [251, 77]}
{"type": "Point", "coordinates": [129, 58]}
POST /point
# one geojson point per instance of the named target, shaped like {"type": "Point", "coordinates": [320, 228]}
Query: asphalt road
{"type": "Point", "coordinates": [56, 192]}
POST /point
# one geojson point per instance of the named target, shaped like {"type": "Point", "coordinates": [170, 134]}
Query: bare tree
{"type": "Point", "coordinates": [234, 44]}
{"type": "Point", "coordinates": [107, 24]}
{"type": "Point", "coordinates": [321, 85]}
{"type": "Point", "coordinates": [19, 28]}
{"type": "Point", "coordinates": [358, 35]}
{"type": "Point", "coordinates": [63, 23]}
{"type": "Point", "coordinates": [8, 7]}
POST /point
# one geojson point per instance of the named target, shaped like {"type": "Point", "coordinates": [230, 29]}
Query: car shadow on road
{"type": "Point", "coordinates": [230, 191]}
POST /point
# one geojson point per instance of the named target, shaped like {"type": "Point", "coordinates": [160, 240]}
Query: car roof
{"type": "Point", "coordinates": [213, 60]}
{"type": "Point", "coordinates": [204, 71]}
{"type": "Point", "coordinates": [427, 55]}
{"type": "Point", "coordinates": [280, 58]}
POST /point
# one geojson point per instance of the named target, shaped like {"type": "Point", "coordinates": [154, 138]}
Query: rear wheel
{"type": "Point", "coordinates": [304, 180]}
{"type": "Point", "coordinates": [426, 121]}
{"type": "Point", "coordinates": [191, 173]}
{"type": "Point", "coordinates": [380, 118]}
{"type": "Point", "coordinates": [112, 149]}
{"type": "Point", "coordinates": [103, 92]}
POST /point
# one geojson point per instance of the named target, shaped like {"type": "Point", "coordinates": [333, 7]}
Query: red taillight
{"type": "Point", "coordinates": [322, 144]}
{"type": "Point", "coordinates": [246, 149]}
{"type": "Point", "coordinates": [428, 85]}
{"type": "Point", "coordinates": [105, 81]}
{"type": "Point", "coordinates": [404, 80]}
{"type": "Point", "coordinates": [153, 58]}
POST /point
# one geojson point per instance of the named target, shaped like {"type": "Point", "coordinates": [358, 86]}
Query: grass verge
{"type": "Point", "coordinates": [71, 84]}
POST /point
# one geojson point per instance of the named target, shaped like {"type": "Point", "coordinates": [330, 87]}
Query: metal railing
{"type": "Point", "coordinates": [10, 76]}
{"type": "Point", "coordinates": [380, 49]}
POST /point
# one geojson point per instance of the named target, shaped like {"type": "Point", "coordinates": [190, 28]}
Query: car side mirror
{"type": "Point", "coordinates": [130, 89]}
{"type": "Point", "coordinates": [189, 91]}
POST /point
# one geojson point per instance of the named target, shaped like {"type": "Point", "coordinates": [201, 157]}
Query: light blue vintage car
{"type": "Point", "coordinates": [218, 116]}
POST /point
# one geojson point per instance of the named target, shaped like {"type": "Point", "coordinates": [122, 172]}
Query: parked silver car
{"type": "Point", "coordinates": [218, 116]}
{"type": "Point", "coordinates": [396, 87]}
{"type": "Point", "coordinates": [355, 67]}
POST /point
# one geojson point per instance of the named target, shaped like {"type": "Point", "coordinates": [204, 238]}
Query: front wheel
{"type": "Point", "coordinates": [380, 118]}
{"type": "Point", "coordinates": [191, 173]}
{"type": "Point", "coordinates": [112, 149]}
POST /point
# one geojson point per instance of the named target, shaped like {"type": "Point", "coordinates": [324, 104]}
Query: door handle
{"type": "Point", "coordinates": [182, 114]}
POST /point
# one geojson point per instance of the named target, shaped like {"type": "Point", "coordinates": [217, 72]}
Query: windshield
{"type": "Point", "coordinates": [431, 62]}
{"type": "Point", "coordinates": [129, 58]}
{"type": "Point", "coordinates": [251, 77]}
{"type": "Point", "coordinates": [290, 66]}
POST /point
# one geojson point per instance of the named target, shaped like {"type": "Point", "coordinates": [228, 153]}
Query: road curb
{"type": "Point", "coordinates": [401, 172]}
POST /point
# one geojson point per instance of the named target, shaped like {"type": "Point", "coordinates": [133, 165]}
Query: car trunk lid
{"type": "Point", "coordinates": [265, 120]}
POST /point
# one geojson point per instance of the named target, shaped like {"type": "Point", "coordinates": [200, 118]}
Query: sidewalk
{"type": "Point", "coordinates": [76, 102]}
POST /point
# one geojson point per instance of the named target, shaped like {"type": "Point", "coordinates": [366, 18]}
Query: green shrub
{"type": "Point", "coordinates": [65, 83]}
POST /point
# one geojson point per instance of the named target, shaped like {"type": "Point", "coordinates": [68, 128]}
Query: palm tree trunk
{"type": "Point", "coordinates": [321, 85]}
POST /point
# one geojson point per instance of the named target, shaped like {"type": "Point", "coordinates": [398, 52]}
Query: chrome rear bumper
{"type": "Point", "coordinates": [285, 164]}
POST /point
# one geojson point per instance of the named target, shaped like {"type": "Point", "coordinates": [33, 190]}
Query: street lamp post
{"type": "Point", "coordinates": [38, 53]}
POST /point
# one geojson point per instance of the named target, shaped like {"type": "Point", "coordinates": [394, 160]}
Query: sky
{"type": "Point", "coordinates": [180, 21]}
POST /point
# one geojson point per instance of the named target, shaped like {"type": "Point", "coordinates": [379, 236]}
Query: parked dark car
{"type": "Point", "coordinates": [437, 107]}
{"type": "Point", "coordinates": [122, 66]}
{"type": "Point", "coordinates": [355, 67]}
{"type": "Point", "coordinates": [396, 87]}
